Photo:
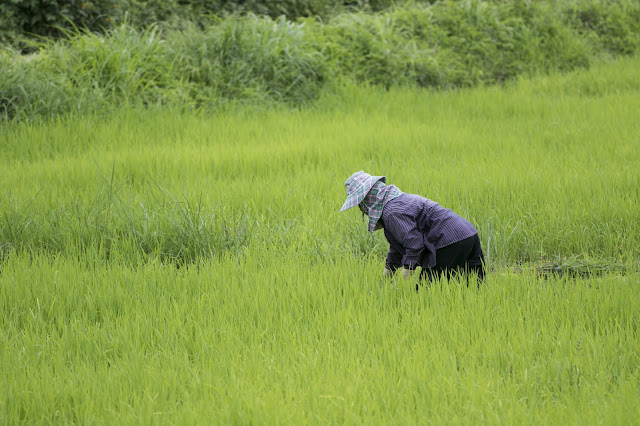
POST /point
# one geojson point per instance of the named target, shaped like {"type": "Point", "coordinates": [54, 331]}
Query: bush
{"type": "Point", "coordinates": [248, 57]}
{"type": "Point", "coordinates": [48, 17]}
{"type": "Point", "coordinates": [129, 66]}
{"type": "Point", "coordinates": [453, 44]}
{"type": "Point", "coordinates": [449, 44]}
{"type": "Point", "coordinates": [20, 19]}
{"type": "Point", "coordinates": [29, 88]}
{"type": "Point", "coordinates": [614, 25]}
{"type": "Point", "coordinates": [87, 73]}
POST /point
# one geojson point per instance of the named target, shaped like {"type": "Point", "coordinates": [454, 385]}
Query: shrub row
{"type": "Point", "coordinates": [25, 18]}
{"type": "Point", "coordinates": [261, 59]}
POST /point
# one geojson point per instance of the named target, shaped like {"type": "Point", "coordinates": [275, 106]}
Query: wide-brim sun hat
{"type": "Point", "coordinates": [358, 186]}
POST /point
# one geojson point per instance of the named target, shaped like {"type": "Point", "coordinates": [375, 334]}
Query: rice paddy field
{"type": "Point", "coordinates": [171, 267]}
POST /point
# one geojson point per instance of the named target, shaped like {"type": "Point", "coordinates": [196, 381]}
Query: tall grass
{"type": "Point", "coordinates": [248, 58]}
{"type": "Point", "coordinates": [268, 61]}
{"type": "Point", "coordinates": [163, 267]}
{"type": "Point", "coordinates": [545, 169]}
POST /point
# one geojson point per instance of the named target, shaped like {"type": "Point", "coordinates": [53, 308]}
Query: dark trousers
{"type": "Point", "coordinates": [464, 257]}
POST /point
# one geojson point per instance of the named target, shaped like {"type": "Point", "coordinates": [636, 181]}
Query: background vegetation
{"type": "Point", "coordinates": [28, 18]}
{"type": "Point", "coordinates": [264, 60]}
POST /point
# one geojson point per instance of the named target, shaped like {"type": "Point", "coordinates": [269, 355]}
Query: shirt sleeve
{"type": "Point", "coordinates": [394, 257]}
{"type": "Point", "coordinates": [404, 230]}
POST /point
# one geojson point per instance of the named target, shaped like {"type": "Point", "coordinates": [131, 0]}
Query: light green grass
{"type": "Point", "coordinates": [167, 268]}
{"type": "Point", "coordinates": [281, 343]}
{"type": "Point", "coordinates": [544, 169]}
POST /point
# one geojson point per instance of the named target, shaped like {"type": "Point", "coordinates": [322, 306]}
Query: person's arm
{"type": "Point", "coordinates": [404, 230]}
{"type": "Point", "coordinates": [394, 256]}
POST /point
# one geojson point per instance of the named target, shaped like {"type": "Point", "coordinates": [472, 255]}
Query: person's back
{"type": "Point", "coordinates": [439, 226]}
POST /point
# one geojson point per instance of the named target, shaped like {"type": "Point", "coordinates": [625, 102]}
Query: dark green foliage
{"type": "Point", "coordinates": [47, 17]}
{"type": "Point", "coordinates": [26, 18]}
{"type": "Point", "coordinates": [615, 25]}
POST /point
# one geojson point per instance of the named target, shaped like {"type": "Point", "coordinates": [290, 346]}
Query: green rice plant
{"type": "Point", "coordinates": [360, 244]}
{"type": "Point", "coordinates": [186, 232]}
{"type": "Point", "coordinates": [16, 230]}
{"type": "Point", "coordinates": [218, 183]}
{"type": "Point", "coordinates": [298, 342]}
{"type": "Point", "coordinates": [193, 267]}
{"type": "Point", "coordinates": [110, 221]}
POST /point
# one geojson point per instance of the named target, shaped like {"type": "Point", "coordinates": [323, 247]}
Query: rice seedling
{"type": "Point", "coordinates": [163, 267]}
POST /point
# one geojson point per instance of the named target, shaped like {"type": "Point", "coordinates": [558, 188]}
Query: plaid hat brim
{"type": "Point", "coordinates": [358, 186]}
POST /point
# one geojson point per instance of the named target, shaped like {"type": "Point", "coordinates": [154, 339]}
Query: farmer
{"type": "Point", "coordinates": [420, 232]}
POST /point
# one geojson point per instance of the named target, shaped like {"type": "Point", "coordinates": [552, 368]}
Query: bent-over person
{"type": "Point", "coordinates": [420, 231]}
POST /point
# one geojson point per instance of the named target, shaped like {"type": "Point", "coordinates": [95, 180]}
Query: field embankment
{"type": "Point", "coordinates": [263, 60]}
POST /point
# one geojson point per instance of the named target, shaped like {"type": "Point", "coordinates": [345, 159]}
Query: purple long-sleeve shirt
{"type": "Point", "coordinates": [416, 227]}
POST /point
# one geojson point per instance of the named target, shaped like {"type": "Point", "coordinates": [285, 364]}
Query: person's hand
{"type": "Point", "coordinates": [407, 273]}
{"type": "Point", "coordinates": [386, 277]}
